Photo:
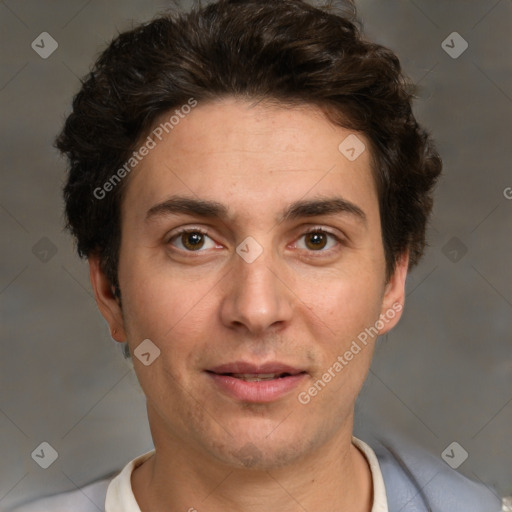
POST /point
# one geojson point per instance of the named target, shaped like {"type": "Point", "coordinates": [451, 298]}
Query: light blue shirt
{"type": "Point", "coordinates": [405, 479]}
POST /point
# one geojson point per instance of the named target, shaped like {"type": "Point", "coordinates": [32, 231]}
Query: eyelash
{"type": "Point", "coordinates": [312, 230]}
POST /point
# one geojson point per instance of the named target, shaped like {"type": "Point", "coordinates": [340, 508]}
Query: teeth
{"type": "Point", "coordinates": [250, 377]}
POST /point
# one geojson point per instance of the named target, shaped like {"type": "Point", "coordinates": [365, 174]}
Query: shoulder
{"type": "Point", "coordinates": [418, 481]}
{"type": "Point", "coordinates": [90, 498]}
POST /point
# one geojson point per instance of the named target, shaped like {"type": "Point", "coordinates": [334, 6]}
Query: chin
{"type": "Point", "coordinates": [261, 451]}
{"type": "Point", "coordinates": [263, 458]}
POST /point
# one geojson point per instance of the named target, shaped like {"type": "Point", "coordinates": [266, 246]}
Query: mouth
{"type": "Point", "coordinates": [256, 383]}
{"type": "Point", "coordinates": [258, 377]}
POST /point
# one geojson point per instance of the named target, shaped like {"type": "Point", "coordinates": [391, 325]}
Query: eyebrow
{"type": "Point", "coordinates": [215, 210]}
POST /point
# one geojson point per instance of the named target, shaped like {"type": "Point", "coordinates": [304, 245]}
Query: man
{"type": "Point", "coordinates": [250, 187]}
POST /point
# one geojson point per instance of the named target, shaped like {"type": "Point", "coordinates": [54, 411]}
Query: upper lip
{"type": "Point", "coordinates": [255, 369]}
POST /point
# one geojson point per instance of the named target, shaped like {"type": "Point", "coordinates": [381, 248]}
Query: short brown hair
{"type": "Point", "coordinates": [287, 51]}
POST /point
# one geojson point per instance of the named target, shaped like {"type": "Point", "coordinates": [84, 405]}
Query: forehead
{"type": "Point", "coordinates": [240, 152]}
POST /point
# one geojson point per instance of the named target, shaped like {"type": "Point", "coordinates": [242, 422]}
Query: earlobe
{"type": "Point", "coordinates": [394, 295]}
{"type": "Point", "coordinates": [108, 303]}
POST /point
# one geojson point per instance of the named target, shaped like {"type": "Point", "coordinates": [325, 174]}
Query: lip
{"type": "Point", "coordinates": [245, 367]}
{"type": "Point", "coordinates": [263, 391]}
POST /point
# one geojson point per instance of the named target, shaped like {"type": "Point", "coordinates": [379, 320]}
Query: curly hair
{"type": "Point", "coordinates": [289, 52]}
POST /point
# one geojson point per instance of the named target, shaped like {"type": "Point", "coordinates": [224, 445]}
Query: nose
{"type": "Point", "coordinates": [257, 297]}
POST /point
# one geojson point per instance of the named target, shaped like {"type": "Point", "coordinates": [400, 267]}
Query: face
{"type": "Point", "coordinates": [252, 258]}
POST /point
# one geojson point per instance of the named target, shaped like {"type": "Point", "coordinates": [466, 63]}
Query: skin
{"type": "Point", "coordinates": [298, 303]}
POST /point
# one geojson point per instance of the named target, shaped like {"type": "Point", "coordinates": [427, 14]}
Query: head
{"type": "Point", "coordinates": [264, 128]}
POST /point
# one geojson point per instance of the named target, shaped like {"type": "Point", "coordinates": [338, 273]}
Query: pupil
{"type": "Point", "coordinates": [193, 241]}
{"type": "Point", "coordinates": [316, 240]}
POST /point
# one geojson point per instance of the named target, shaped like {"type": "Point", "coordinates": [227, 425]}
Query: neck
{"type": "Point", "coordinates": [334, 477]}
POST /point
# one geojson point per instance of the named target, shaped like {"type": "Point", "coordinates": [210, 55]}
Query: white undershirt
{"type": "Point", "coordinates": [120, 497]}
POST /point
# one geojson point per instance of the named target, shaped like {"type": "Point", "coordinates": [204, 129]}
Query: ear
{"type": "Point", "coordinates": [107, 302]}
{"type": "Point", "coordinates": [394, 295]}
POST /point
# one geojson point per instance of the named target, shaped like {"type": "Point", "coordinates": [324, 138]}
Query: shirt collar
{"type": "Point", "coordinates": [120, 497]}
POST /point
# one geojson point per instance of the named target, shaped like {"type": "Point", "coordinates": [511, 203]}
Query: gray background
{"type": "Point", "coordinates": [444, 374]}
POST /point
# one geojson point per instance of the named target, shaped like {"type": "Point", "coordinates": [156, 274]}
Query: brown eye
{"type": "Point", "coordinates": [192, 241]}
{"type": "Point", "coordinates": [316, 241]}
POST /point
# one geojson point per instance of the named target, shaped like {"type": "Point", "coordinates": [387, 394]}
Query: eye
{"type": "Point", "coordinates": [192, 240]}
{"type": "Point", "coordinates": [317, 240]}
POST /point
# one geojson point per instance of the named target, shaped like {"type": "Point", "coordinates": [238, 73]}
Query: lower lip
{"type": "Point", "coordinates": [263, 391]}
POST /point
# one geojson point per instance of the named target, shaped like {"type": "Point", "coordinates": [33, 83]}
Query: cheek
{"type": "Point", "coordinates": [341, 315]}
{"type": "Point", "coordinates": [344, 304]}
{"type": "Point", "coordinates": [175, 312]}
